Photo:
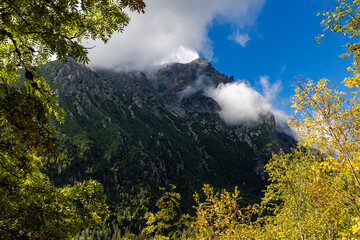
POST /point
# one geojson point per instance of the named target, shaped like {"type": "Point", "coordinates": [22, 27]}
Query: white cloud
{"type": "Point", "coordinates": [270, 91]}
{"type": "Point", "coordinates": [198, 85]}
{"type": "Point", "coordinates": [171, 30]}
{"type": "Point", "coordinates": [241, 39]}
{"type": "Point", "coordinates": [180, 55]}
{"type": "Point", "coordinates": [282, 125]}
{"type": "Point", "coordinates": [240, 104]}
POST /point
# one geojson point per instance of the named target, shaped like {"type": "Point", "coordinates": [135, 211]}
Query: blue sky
{"type": "Point", "coordinates": [275, 38]}
{"type": "Point", "coordinates": [282, 46]}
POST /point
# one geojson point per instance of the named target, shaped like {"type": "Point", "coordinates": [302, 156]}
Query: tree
{"type": "Point", "coordinates": [303, 201]}
{"type": "Point", "coordinates": [318, 195]}
{"type": "Point", "coordinates": [167, 223]}
{"type": "Point", "coordinates": [31, 32]}
{"type": "Point", "coordinates": [315, 191]}
{"type": "Point", "coordinates": [220, 216]}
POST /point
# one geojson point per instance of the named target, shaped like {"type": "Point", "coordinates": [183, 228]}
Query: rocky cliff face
{"type": "Point", "coordinates": [151, 130]}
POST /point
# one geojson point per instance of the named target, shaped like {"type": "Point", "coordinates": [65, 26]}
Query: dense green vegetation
{"type": "Point", "coordinates": [31, 206]}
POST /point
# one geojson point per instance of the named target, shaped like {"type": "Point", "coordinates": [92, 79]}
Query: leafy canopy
{"type": "Point", "coordinates": [167, 223]}
{"type": "Point", "coordinates": [31, 32]}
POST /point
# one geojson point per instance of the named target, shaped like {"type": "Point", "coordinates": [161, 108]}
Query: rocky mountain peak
{"type": "Point", "coordinates": [202, 61]}
{"type": "Point", "coordinates": [177, 75]}
{"type": "Point", "coordinates": [292, 121]}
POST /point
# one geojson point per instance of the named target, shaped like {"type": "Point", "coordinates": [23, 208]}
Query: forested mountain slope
{"type": "Point", "coordinates": [136, 132]}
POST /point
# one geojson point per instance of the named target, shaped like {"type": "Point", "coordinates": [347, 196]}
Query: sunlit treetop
{"type": "Point", "coordinates": [345, 19]}
{"type": "Point", "coordinates": [31, 31]}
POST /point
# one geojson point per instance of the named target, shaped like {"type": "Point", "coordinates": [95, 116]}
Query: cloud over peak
{"type": "Point", "coordinates": [240, 104]}
{"type": "Point", "coordinates": [172, 30]}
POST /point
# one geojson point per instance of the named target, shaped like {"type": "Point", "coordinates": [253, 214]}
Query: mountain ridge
{"type": "Point", "coordinates": [136, 132]}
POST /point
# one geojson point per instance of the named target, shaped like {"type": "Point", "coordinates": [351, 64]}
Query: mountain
{"type": "Point", "coordinates": [135, 132]}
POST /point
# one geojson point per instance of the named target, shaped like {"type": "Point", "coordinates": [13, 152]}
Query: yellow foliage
{"type": "Point", "coordinates": [219, 216]}
{"type": "Point", "coordinates": [306, 200]}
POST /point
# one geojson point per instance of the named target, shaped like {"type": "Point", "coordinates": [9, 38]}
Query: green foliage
{"type": "Point", "coordinates": [55, 213]}
{"type": "Point", "coordinates": [263, 140]}
{"type": "Point", "coordinates": [219, 215]}
{"type": "Point", "coordinates": [31, 207]}
{"type": "Point", "coordinates": [31, 33]}
{"type": "Point", "coordinates": [167, 223]}
{"type": "Point", "coordinates": [130, 209]}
